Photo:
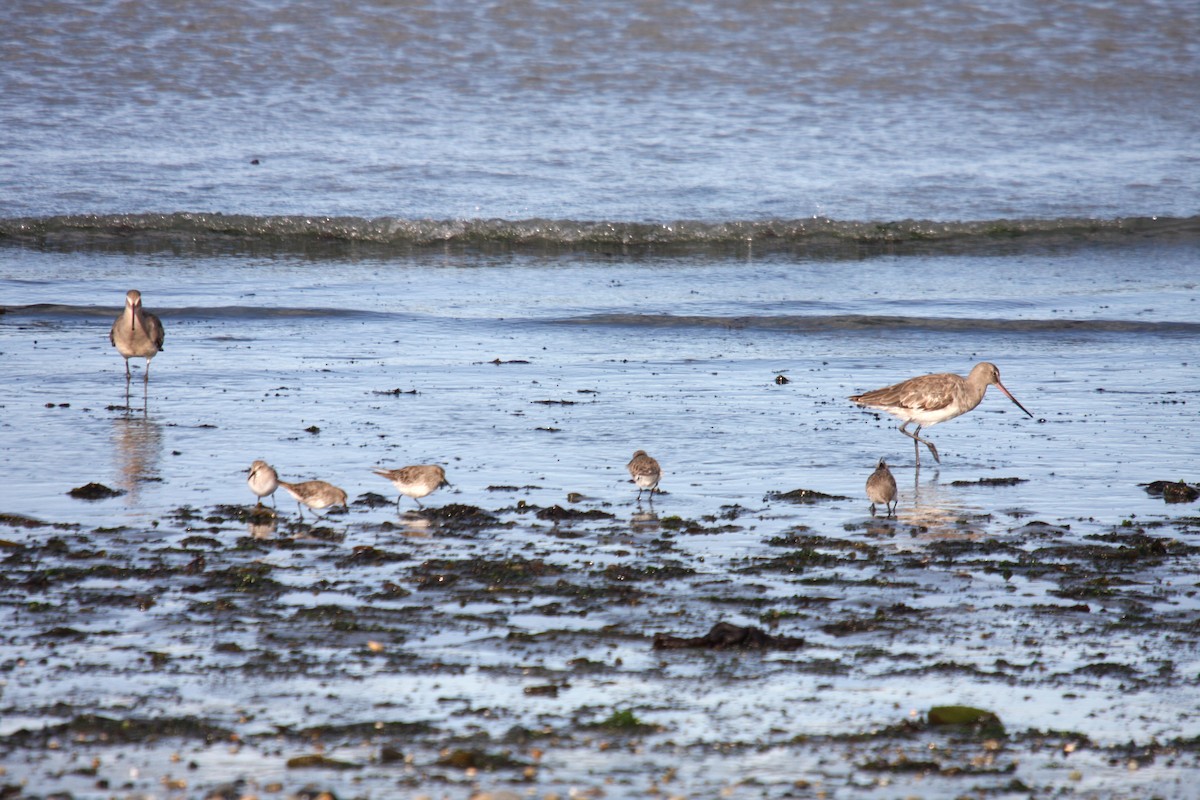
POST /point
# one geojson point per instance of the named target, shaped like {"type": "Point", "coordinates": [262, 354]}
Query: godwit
{"type": "Point", "coordinates": [645, 473]}
{"type": "Point", "coordinates": [881, 488]}
{"type": "Point", "coordinates": [263, 480]}
{"type": "Point", "coordinates": [930, 399]}
{"type": "Point", "coordinates": [315, 494]}
{"type": "Point", "coordinates": [416, 481]}
{"type": "Point", "coordinates": [136, 333]}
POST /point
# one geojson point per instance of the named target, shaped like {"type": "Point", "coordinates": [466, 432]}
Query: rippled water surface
{"type": "Point", "coordinates": [522, 240]}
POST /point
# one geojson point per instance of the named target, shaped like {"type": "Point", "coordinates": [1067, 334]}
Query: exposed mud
{"type": "Point", "coordinates": [341, 649]}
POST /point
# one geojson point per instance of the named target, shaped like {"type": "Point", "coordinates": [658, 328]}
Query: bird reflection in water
{"type": "Point", "coordinates": [263, 522]}
{"type": "Point", "coordinates": [644, 522]}
{"type": "Point", "coordinates": [936, 513]}
{"type": "Point", "coordinates": [137, 445]}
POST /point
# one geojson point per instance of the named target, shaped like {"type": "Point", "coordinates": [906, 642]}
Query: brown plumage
{"type": "Point", "coordinates": [315, 494]}
{"type": "Point", "coordinates": [881, 488]}
{"type": "Point", "coordinates": [416, 481]}
{"type": "Point", "coordinates": [930, 399]}
{"type": "Point", "coordinates": [136, 333]}
{"type": "Point", "coordinates": [645, 472]}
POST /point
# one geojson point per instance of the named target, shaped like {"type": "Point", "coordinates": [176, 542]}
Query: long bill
{"type": "Point", "coordinates": [1008, 394]}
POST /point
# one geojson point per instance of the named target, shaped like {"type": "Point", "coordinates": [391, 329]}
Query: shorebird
{"type": "Point", "coordinates": [645, 473]}
{"type": "Point", "coordinates": [930, 399]}
{"type": "Point", "coordinates": [263, 480]}
{"type": "Point", "coordinates": [315, 494]}
{"type": "Point", "coordinates": [416, 481]}
{"type": "Point", "coordinates": [881, 488]}
{"type": "Point", "coordinates": [136, 333]}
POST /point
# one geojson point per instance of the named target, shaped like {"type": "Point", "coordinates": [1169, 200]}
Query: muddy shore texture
{"type": "Point", "coordinates": [230, 652]}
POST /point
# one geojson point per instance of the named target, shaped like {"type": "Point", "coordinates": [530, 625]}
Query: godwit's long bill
{"type": "Point", "coordinates": [930, 399]}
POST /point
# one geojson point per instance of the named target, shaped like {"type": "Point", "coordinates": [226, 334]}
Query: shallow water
{"type": "Point", "coordinates": [297, 360]}
{"type": "Point", "coordinates": [675, 355]}
{"type": "Point", "coordinates": [522, 241]}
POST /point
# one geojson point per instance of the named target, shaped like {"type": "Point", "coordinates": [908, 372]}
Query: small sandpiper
{"type": "Point", "coordinates": [136, 333]}
{"type": "Point", "coordinates": [415, 481]}
{"type": "Point", "coordinates": [881, 488]}
{"type": "Point", "coordinates": [263, 480]}
{"type": "Point", "coordinates": [645, 472]}
{"type": "Point", "coordinates": [315, 494]}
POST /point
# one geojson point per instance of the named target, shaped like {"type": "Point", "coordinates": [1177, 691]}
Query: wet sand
{"type": "Point", "coordinates": [167, 642]}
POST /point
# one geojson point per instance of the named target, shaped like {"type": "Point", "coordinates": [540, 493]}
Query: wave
{"type": "Point", "coordinates": [863, 322]}
{"type": "Point", "coordinates": [216, 233]}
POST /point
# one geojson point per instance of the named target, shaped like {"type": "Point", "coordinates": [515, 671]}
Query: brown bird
{"type": "Point", "coordinates": [930, 399]}
{"type": "Point", "coordinates": [416, 481]}
{"type": "Point", "coordinates": [262, 480]}
{"type": "Point", "coordinates": [315, 494]}
{"type": "Point", "coordinates": [881, 488]}
{"type": "Point", "coordinates": [645, 473]}
{"type": "Point", "coordinates": [136, 333]}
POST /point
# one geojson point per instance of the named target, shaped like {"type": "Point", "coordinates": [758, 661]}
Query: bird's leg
{"type": "Point", "coordinates": [872, 509]}
{"type": "Point", "coordinates": [916, 437]}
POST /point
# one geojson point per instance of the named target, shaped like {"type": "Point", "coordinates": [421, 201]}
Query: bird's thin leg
{"type": "Point", "coordinates": [872, 509]}
{"type": "Point", "coordinates": [892, 509]}
{"type": "Point", "coordinates": [916, 437]}
{"type": "Point", "coordinates": [419, 505]}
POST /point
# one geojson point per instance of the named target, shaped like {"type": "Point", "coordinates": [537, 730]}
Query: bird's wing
{"type": "Point", "coordinates": [156, 330]}
{"type": "Point", "coordinates": [926, 393]}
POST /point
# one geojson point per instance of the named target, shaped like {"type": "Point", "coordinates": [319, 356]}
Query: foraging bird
{"type": "Point", "coordinates": [136, 333]}
{"type": "Point", "coordinates": [881, 488]}
{"type": "Point", "coordinates": [416, 481]}
{"type": "Point", "coordinates": [315, 494]}
{"type": "Point", "coordinates": [645, 472]}
{"type": "Point", "coordinates": [930, 399]}
{"type": "Point", "coordinates": [263, 480]}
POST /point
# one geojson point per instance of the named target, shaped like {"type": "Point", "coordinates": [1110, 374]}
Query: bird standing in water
{"type": "Point", "coordinates": [263, 480]}
{"type": "Point", "coordinates": [136, 333]}
{"type": "Point", "coordinates": [416, 481]}
{"type": "Point", "coordinates": [881, 488]}
{"type": "Point", "coordinates": [645, 473]}
{"type": "Point", "coordinates": [315, 494]}
{"type": "Point", "coordinates": [930, 399]}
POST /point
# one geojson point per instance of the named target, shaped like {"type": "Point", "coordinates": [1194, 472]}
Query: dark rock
{"type": "Point", "coordinates": [726, 636]}
{"type": "Point", "coordinates": [94, 491]}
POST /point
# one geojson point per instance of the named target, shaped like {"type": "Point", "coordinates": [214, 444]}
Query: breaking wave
{"type": "Point", "coordinates": [203, 233]}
